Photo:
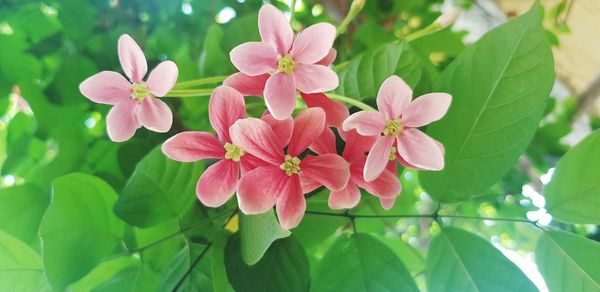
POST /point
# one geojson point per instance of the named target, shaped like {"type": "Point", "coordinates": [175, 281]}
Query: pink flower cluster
{"type": "Point", "coordinates": [277, 159]}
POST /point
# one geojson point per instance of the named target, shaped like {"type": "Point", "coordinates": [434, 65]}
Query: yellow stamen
{"type": "Point", "coordinates": [286, 64]}
{"type": "Point", "coordinates": [393, 128]}
{"type": "Point", "coordinates": [393, 154]}
{"type": "Point", "coordinates": [233, 152]}
{"type": "Point", "coordinates": [291, 165]}
{"type": "Point", "coordinates": [139, 91]}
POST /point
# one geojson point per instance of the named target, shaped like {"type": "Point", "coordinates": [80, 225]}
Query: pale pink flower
{"type": "Point", "coordinates": [293, 63]}
{"type": "Point", "coordinates": [134, 101]}
{"type": "Point", "coordinates": [278, 183]}
{"type": "Point", "coordinates": [219, 182]}
{"type": "Point", "coordinates": [395, 126]}
{"type": "Point", "coordinates": [21, 104]}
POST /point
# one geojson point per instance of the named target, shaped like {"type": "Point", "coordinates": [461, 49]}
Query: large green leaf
{"type": "Point", "coordinates": [79, 229]}
{"type": "Point", "coordinates": [573, 194]}
{"type": "Point", "coordinates": [568, 262]}
{"type": "Point", "coordinates": [257, 233]}
{"type": "Point", "coordinates": [20, 267]}
{"type": "Point", "coordinates": [366, 72]}
{"type": "Point", "coordinates": [160, 189]}
{"type": "Point", "coordinates": [362, 263]}
{"type": "Point", "coordinates": [461, 261]}
{"type": "Point", "coordinates": [283, 268]}
{"type": "Point", "coordinates": [500, 87]}
{"type": "Point", "coordinates": [21, 210]}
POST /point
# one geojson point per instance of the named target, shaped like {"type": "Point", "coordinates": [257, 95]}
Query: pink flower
{"type": "Point", "coordinates": [386, 186]}
{"type": "Point", "coordinates": [219, 182]}
{"type": "Point", "coordinates": [395, 125]}
{"type": "Point", "coordinates": [135, 102]}
{"type": "Point", "coordinates": [293, 63]}
{"type": "Point", "coordinates": [278, 183]}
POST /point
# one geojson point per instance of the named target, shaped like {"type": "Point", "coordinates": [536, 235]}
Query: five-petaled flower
{"type": "Point", "coordinates": [395, 126]}
{"type": "Point", "coordinates": [134, 101]}
{"type": "Point", "coordinates": [292, 63]}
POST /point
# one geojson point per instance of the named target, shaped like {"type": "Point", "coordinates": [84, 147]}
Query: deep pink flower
{"type": "Point", "coordinates": [396, 123]}
{"type": "Point", "coordinates": [135, 102]}
{"type": "Point", "coordinates": [278, 183]}
{"type": "Point", "coordinates": [219, 182]}
{"type": "Point", "coordinates": [293, 63]}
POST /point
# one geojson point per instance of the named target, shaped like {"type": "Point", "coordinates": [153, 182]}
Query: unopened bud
{"type": "Point", "coordinates": [357, 5]}
{"type": "Point", "coordinates": [447, 18]}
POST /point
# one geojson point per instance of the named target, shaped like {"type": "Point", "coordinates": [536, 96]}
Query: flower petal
{"type": "Point", "coordinates": [132, 59]}
{"type": "Point", "coordinates": [291, 204]}
{"type": "Point", "coordinates": [386, 185]}
{"type": "Point", "coordinates": [122, 121]}
{"type": "Point", "coordinates": [313, 43]}
{"type": "Point", "coordinates": [162, 78]}
{"type": "Point", "coordinates": [310, 78]}
{"type": "Point", "coordinates": [259, 189]}
{"type": "Point", "coordinates": [327, 60]}
{"type": "Point", "coordinates": [193, 146]}
{"type": "Point", "coordinates": [282, 128]}
{"type": "Point", "coordinates": [249, 162]}
{"type": "Point", "coordinates": [393, 97]}
{"type": "Point", "coordinates": [247, 85]}
{"type": "Point", "coordinates": [346, 198]}
{"type": "Point", "coordinates": [420, 150]}
{"type": "Point", "coordinates": [325, 143]}
{"type": "Point", "coordinates": [357, 145]}
{"type": "Point", "coordinates": [426, 109]}
{"type": "Point", "coordinates": [254, 58]}
{"type": "Point", "coordinates": [335, 111]}
{"type": "Point", "coordinates": [274, 29]}
{"type": "Point", "coordinates": [331, 170]}
{"type": "Point", "coordinates": [386, 203]}
{"type": "Point", "coordinates": [366, 123]}
{"type": "Point", "coordinates": [155, 115]}
{"type": "Point", "coordinates": [280, 95]}
{"type": "Point", "coordinates": [257, 138]}
{"type": "Point", "coordinates": [106, 87]}
{"type": "Point", "coordinates": [308, 185]}
{"type": "Point", "coordinates": [308, 126]}
{"type": "Point", "coordinates": [378, 158]}
{"type": "Point", "coordinates": [218, 183]}
{"type": "Point", "coordinates": [225, 107]}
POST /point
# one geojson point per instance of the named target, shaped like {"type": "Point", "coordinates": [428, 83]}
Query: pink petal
{"type": "Point", "coordinates": [162, 78]}
{"type": "Point", "coordinates": [313, 43]}
{"type": "Point", "coordinates": [280, 95]}
{"type": "Point", "coordinates": [408, 165]}
{"type": "Point", "coordinates": [378, 158]}
{"type": "Point", "coordinates": [420, 150]}
{"type": "Point", "coordinates": [366, 123]}
{"type": "Point", "coordinates": [327, 60]}
{"type": "Point", "coordinates": [386, 203]}
{"type": "Point", "coordinates": [247, 85]}
{"type": "Point", "coordinates": [346, 198]}
{"type": "Point", "coordinates": [132, 59]}
{"type": "Point", "coordinates": [308, 185]}
{"type": "Point", "coordinates": [257, 138]}
{"type": "Point", "coordinates": [259, 189]}
{"type": "Point", "coordinates": [312, 78]}
{"type": "Point", "coordinates": [335, 111]}
{"type": "Point", "coordinates": [121, 121]}
{"type": "Point", "coordinates": [308, 126]}
{"type": "Point", "coordinates": [282, 128]}
{"type": "Point", "coordinates": [386, 185]}
{"type": "Point", "coordinates": [193, 146]}
{"type": "Point", "coordinates": [325, 143]}
{"type": "Point", "coordinates": [225, 107]}
{"type": "Point", "coordinates": [426, 109]}
{"type": "Point", "coordinates": [155, 115]}
{"type": "Point", "coordinates": [357, 145]}
{"type": "Point", "coordinates": [274, 29]}
{"type": "Point", "coordinates": [218, 183]}
{"type": "Point", "coordinates": [106, 87]}
{"type": "Point", "coordinates": [331, 170]}
{"type": "Point", "coordinates": [249, 162]}
{"type": "Point", "coordinates": [393, 97]}
{"type": "Point", "coordinates": [254, 58]}
{"type": "Point", "coordinates": [291, 204]}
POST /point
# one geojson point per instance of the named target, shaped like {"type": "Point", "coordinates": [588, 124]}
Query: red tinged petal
{"type": "Point", "coordinates": [249, 162]}
{"type": "Point", "coordinates": [274, 29]}
{"type": "Point", "coordinates": [325, 143]}
{"type": "Point", "coordinates": [280, 95]}
{"type": "Point", "coordinates": [308, 126]}
{"type": "Point", "coordinates": [193, 146]}
{"type": "Point", "coordinates": [162, 78]}
{"type": "Point", "coordinates": [254, 58]}
{"type": "Point", "coordinates": [420, 150]}
{"type": "Point", "coordinates": [308, 185]}
{"type": "Point", "coordinates": [335, 111]}
{"type": "Point", "coordinates": [247, 85]}
{"type": "Point", "coordinates": [313, 43]}
{"type": "Point", "coordinates": [282, 128]}
{"type": "Point", "coordinates": [386, 185]}
{"type": "Point", "coordinates": [357, 145]}
{"type": "Point", "coordinates": [327, 60]}
{"type": "Point", "coordinates": [132, 59]}
{"type": "Point", "coordinates": [106, 87]}
{"type": "Point", "coordinates": [225, 107]}
{"type": "Point", "coordinates": [386, 203]}
{"type": "Point", "coordinates": [122, 121]}
{"type": "Point", "coordinates": [310, 78]}
{"type": "Point", "coordinates": [291, 204]}
{"type": "Point", "coordinates": [155, 115]}
{"type": "Point", "coordinates": [426, 109]}
{"type": "Point", "coordinates": [218, 183]}
{"type": "Point", "coordinates": [259, 189]}
{"type": "Point", "coordinates": [257, 138]}
{"type": "Point", "coordinates": [378, 158]}
{"type": "Point", "coordinates": [393, 97]}
{"type": "Point", "coordinates": [330, 170]}
{"type": "Point", "coordinates": [346, 198]}
{"type": "Point", "coordinates": [366, 123]}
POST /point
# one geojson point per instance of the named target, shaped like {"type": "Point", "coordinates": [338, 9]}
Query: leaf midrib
{"type": "Point", "coordinates": [461, 262]}
{"type": "Point", "coordinates": [568, 256]}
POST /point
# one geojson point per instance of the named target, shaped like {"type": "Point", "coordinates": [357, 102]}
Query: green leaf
{"type": "Point", "coordinates": [500, 87]}
{"type": "Point", "coordinates": [220, 283]}
{"type": "Point", "coordinates": [79, 229]}
{"type": "Point", "coordinates": [366, 72]}
{"type": "Point", "coordinates": [257, 233]}
{"type": "Point", "coordinates": [362, 263]}
{"type": "Point", "coordinates": [160, 189]}
{"type": "Point", "coordinates": [103, 273]}
{"type": "Point", "coordinates": [461, 261]}
{"type": "Point", "coordinates": [21, 210]}
{"type": "Point", "coordinates": [20, 267]}
{"type": "Point", "coordinates": [568, 262]}
{"type": "Point", "coordinates": [283, 268]}
{"type": "Point", "coordinates": [573, 194]}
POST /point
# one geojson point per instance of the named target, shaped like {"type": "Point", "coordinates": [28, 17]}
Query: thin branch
{"type": "Point", "coordinates": [432, 216]}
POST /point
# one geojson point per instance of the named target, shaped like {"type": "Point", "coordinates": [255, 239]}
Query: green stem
{"type": "Point", "coordinates": [292, 10]}
{"type": "Point", "coordinates": [354, 102]}
{"type": "Point", "coordinates": [189, 92]}
{"type": "Point", "coordinates": [355, 8]}
{"type": "Point", "coordinates": [432, 216]}
{"type": "Point", "coordinates": [423, 32]}
{"type": "Point", "coordinates": [201, 81]}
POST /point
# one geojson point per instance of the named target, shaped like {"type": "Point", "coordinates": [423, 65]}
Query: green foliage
{"type": "Point", "coordinates": [21, 210]}
{"type": "Point", "coordinates": [257, 233]}
{"type": "Point", "coordinates": [20, 267]}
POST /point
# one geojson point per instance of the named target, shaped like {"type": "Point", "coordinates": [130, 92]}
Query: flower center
{"type": "Point", "coordinates": [286, 64]}
{"type": "Point", "coordinates": [139, 91]}
{"type": "Point", "coordinates": [291, 165]}
{"type": "Point", "coordinates": [393, 154]}
{"type": "Point", "coordinates": [233, 152]}
{"type": "Point", "coordinates": [393, 128]}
